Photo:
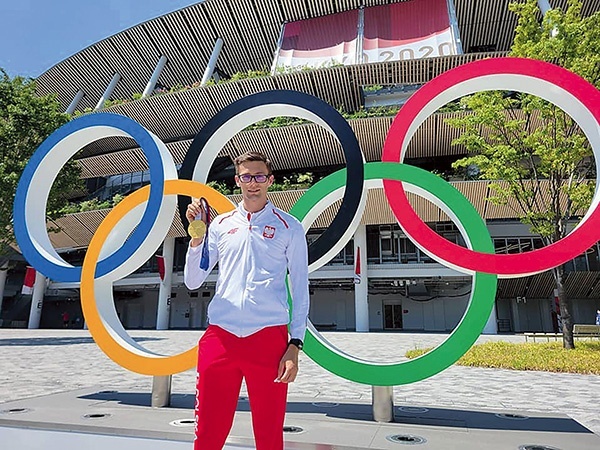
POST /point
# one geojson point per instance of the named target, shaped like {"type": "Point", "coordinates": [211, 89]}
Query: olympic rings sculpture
{"type": "Point", "coordinates": [135, 228]}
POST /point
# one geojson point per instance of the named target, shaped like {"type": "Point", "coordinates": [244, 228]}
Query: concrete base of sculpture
{"type": "Point", "coordinates": [103, 419]}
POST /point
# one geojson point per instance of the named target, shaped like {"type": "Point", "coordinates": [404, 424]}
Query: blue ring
{"type": "Point", "coordinates": [153, 155]}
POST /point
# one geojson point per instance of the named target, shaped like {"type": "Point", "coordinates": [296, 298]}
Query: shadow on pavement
{"type": "Point", "coordinates": [437, 417]}
{"type": "Point", "coordinates": [29, 342]}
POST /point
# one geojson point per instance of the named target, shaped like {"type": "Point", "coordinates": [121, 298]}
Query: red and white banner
{"type": "Point", "coordinates": [408, 30]}
{"type": "Point", "coordinates": [29, 281]}
{"type": "Point", "coordinates": [357, 277]}
{"type": "Point", "coordinates": [320, 41]}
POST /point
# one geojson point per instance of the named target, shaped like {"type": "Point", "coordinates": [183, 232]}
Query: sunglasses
{"type": "Point", "coordinates": [247, 178]}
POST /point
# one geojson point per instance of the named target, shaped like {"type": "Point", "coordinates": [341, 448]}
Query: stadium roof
{"type": "Point", "coordinates": [250, 30]}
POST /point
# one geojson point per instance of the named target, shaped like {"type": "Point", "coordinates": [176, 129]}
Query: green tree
{"type": "Point", "coordinates": [538, 159]}
{"type": "Point", "coordinates": [26, 119]}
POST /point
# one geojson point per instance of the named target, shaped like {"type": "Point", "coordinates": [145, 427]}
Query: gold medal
{"type": "Point", "coordinates": [196, 229]}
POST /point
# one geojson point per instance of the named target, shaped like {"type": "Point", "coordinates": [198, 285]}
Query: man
{"type": "Point", "coordinates": [255, 246]}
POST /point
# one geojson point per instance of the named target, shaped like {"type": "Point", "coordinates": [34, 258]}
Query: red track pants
{"type": "Point", "coordinates": [223, 359]}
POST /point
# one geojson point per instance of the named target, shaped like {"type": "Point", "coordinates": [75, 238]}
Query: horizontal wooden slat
{"type": "Point", "coordinates": [250, 30]}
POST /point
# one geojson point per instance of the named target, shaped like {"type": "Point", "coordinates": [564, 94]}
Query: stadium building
{"type": "Point", "coordinates": [174, 73]}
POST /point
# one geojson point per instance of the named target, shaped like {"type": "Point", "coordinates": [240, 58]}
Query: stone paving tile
{"type": "Point", "coordinates": [42, 362]}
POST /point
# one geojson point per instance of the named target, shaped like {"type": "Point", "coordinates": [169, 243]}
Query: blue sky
{"type": "Point", "coordinates": [37, 34]}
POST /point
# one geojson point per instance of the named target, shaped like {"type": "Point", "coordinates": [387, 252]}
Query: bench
{"type": "Point", "coordinates": [586, 331]}
{"type": "Point", "coordinates": [545, 336]}
{"type": "Point", "coordinates": [325, 326]}
{"type": "Point", "coordinates": [579, 331]}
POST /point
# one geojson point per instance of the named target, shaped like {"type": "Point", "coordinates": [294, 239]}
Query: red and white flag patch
{"type": "Point", "coordinates": [269, 232]}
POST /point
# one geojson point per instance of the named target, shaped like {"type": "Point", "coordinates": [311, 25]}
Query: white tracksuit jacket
{"type": "Point", "coordinates": [254, 252]}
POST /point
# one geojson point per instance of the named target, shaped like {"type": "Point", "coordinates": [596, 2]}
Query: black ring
{"type": "Point", "coordinates": [340, 127]}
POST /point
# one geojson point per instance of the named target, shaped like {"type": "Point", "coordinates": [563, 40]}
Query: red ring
{"type": "Point", "coordinates": [520, 264]}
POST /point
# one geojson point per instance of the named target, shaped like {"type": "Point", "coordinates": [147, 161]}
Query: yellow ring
{"type": "Point", "coordinates": [143, 362]}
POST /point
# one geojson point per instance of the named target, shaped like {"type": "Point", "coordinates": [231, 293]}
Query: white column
{"type": "Point", "coordinates": [108, 92]}
{"type": "Point", "coordinates": [164, 292]}
{"type": "Point", "coordinates": [3, 273]}
{"type": "Point", "coordinates": [491, 327]}
{"type": "Point", "coordinates": [454, 27]}
{"type": "Point", "coordinates": [74, 102]}
{"type": "Point", "coordinates": [37, 300]}
{"type": "Point", "coordinates": [360, 36]}
{"type": "Point", "coordinates": [544, 6]}
{"type": "Point", "coordinates": [361, 290]}
{"type": "Point", "coordinates": [277, 49]}
{"type": "Point", "coordinates": [212, 62]}
{"type": "Point", "coordinates": [154, 78]}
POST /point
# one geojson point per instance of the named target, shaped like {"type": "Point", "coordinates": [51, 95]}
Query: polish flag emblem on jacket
{"type": "Point", "coordinates": [269, 232]}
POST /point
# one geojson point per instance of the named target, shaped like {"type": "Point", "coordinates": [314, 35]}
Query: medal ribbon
{"type": "Point", "coordinates": [204, 260]}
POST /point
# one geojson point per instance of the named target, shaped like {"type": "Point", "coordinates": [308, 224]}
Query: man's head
{"type": "Point", "coordinates": [254, 175]}
{"type": "Point", "coordinates": [252, 156]}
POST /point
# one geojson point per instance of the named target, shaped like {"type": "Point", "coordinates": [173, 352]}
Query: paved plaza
{"type": "Point", "coordinates": [41, 362]}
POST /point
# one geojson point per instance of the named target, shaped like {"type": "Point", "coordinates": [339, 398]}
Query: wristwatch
{"type": "Point", "coordinates": [297, 342]}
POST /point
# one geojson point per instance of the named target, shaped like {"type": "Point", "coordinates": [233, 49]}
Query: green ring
{"type": "Point", "coordinates": [478, 310]}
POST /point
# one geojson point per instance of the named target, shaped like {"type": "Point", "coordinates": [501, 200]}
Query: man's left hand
{"type": "Point", "coordinates": [288, 366]}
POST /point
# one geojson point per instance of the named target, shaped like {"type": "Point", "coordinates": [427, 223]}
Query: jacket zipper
{"type": "Point", "coordinates": [246, 256]}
